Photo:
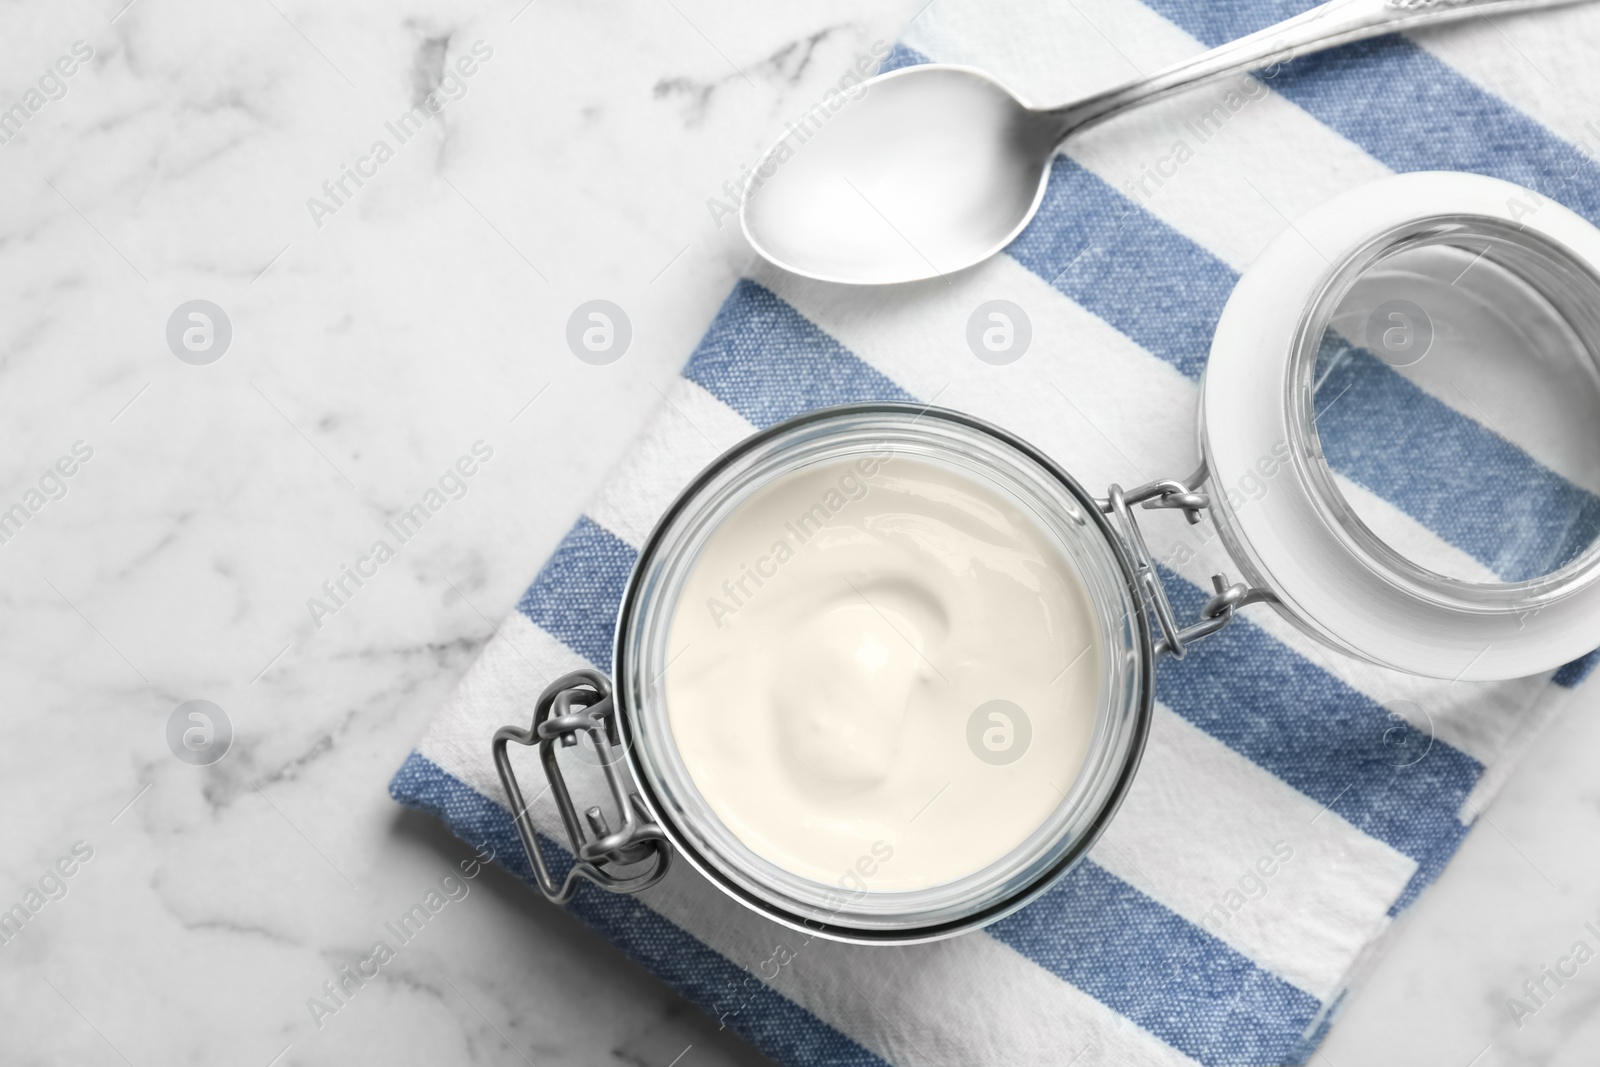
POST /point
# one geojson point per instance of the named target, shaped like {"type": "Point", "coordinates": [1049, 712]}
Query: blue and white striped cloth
{"type": "Point", "coordinates": [1171, 944]}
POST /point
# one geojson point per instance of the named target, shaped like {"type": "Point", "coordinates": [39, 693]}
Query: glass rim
{"type": "Point", "coordinates": [1340, 513]}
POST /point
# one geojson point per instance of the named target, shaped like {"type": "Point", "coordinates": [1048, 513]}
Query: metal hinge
{"type": "Point", "coordinates": [1183, 496]}
{"type": "Point", "coordinates": [579, 703]}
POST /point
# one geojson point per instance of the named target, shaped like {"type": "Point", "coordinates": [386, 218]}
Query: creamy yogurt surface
{"type": "Point", "coordinates": [884, 673]}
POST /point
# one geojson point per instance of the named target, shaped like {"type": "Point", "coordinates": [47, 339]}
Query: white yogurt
{"type": "Point", "coordinates": [837, 652]}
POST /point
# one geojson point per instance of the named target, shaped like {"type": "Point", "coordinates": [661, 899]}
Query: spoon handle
{"type": "Point", "coordinates": [1333, 23]}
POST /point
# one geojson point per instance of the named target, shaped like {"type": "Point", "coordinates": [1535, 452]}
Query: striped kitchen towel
{"type": "Point", "coordinates": [1268, 753]}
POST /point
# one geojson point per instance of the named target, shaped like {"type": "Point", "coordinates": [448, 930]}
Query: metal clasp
{"type": "Point", "coordinates": [582, 702]}
{"type": "Point", "coordinates": [1184, 496]}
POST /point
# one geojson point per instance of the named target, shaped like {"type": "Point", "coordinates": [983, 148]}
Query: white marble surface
{"type": "Point", "coordinates": [367, 354]}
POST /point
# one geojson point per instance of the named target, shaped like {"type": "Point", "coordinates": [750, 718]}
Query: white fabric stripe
{"type": "Point", "coordinates": [1526, 727]}
{"type": "Point", "coordinates": [1117, 393]}
{"type": "Point", "coordinates": [1241, 164]}
{"type": "Point", "coordinates": [498, 690]}
{"type": "Point", "coordinates": [1199, 820]}
{"type": "Point", "coordinates": [967, 1000]}
{"type": "Point", "coordinates": [691, 429]}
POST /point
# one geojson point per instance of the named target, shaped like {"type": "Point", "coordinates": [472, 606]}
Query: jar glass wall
{"type": "Point", "coordinates": [1056, 504]}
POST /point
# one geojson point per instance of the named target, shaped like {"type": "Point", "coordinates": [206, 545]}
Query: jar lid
{"type": "Point", "coordinates": [1399, 420]}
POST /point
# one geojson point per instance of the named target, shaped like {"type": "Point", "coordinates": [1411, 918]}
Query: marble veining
{"type": "Point", "coordinates": [367, 353]}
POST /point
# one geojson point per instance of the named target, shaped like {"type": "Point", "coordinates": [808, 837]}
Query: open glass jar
{"type": "Point", "coordinates": [1478, 562]}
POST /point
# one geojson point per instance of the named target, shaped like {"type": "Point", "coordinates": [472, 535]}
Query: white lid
{"type": "Point", "coordinates": [1327, 573]}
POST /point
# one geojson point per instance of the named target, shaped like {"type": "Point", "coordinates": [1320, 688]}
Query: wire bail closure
{"type": "Point", "coordinates": [578, 703]}
{"type": "Point", "coordinates": [1184, 496]}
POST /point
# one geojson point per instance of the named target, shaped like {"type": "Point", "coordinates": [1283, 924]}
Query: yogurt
{"type": "Point", "coordinates": [884, 673]}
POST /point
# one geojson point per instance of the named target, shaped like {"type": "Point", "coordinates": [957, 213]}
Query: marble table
{"type": "Point", "coordinates": [371, 316]}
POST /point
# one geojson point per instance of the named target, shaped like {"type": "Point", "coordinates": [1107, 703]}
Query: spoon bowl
{"type": "Point", "coordinates": [927, 170]}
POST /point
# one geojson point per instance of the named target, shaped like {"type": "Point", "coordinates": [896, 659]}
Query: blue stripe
{"type": "Point", "coordinates": [1404, 106]}
{"type": "Point", "coordinates": [1431, 866]}
{"type": "Point", "coordinates": [1126, 266]}
{"type": "Point", "coordinates": [1161, 971]}
{"type": "Point", "coordinates": [1313, 1040]}
{"type": "Point", "coordinates": [901, 56]}
{"type": "Point", "coordinates": [578, 592]}
{"type": "Point", "coordinates": [1331, 742]}
{"type": "Point", "coordinates": [768, 362]}
{"type": "Point", "coordinates": [771, 1022]}
{"type": "Point", "coordinates": [1573, 674]}
{"type": "Point", "coordinates": [1450, 473]}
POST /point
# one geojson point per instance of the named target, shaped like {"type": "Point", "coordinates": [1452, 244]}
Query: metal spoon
{"type": "Point", "coordinates": [934, 168]}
